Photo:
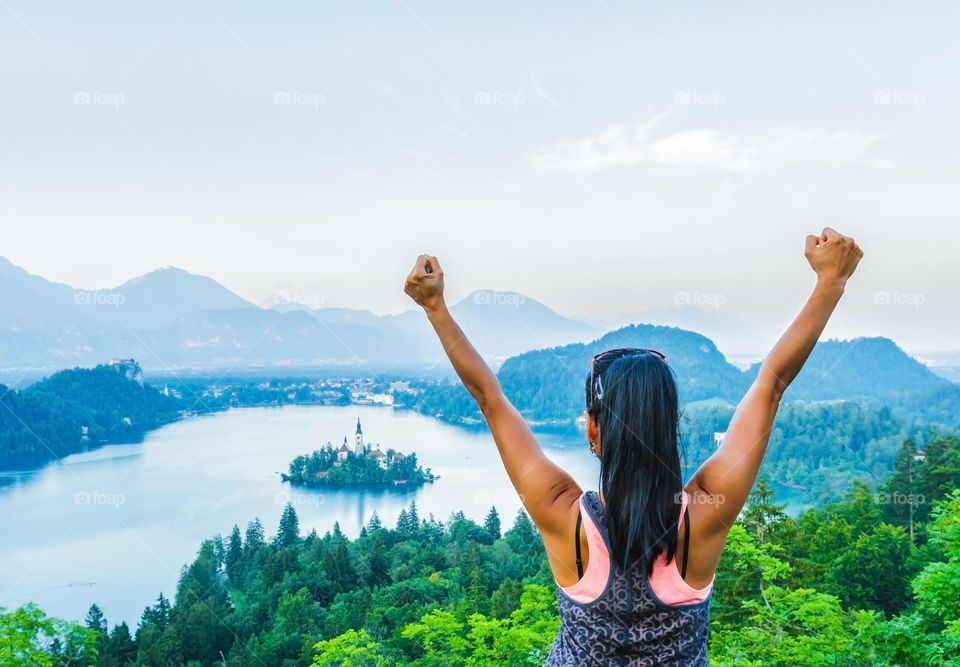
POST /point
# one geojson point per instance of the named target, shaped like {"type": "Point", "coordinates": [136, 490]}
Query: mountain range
{"type": "Point", "coordinates": [548, 385]}
{"type": "Point", "coordinates": [171, 319]}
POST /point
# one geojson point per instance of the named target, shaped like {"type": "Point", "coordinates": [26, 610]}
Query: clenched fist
{"type": "Point", "coordinates": [425, 282]}
{"type": "Point", "coordinates": [832, 255]}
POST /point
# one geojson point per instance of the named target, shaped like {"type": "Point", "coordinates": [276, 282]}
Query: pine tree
{"type": "Point", "coordinates": [122, 647]}
{"type": "Point", "coordinates": [477, 599]}
{"type": "Point", "coordinates": [95, 620]}
{"type": "Point", "coordinates": [378, 564]}
{"type": "Point", "coordinates": [523, 538]}
{"type": "Point", "coordinates": [234, 552]}
{"type": "Point", "coordinates": [762, 515]}
{"type": "Point", "coordinates": [414, 517]}
{"type": "Point", "coordinates": [403, 523]}
{"type": "Point", "coordinates": [289, 531]}
{"type": "Point", "coordinates": [254, 538]}
{"type": "Point", "coordinates": [157, 616]}
{"type": "Point", "coordinates": [899, 494]}
{"type": "Point", "coordinates": [940, 473]}
{"type": "Point", "coordinates": [506, 599]}
{"type": "Point", "coordinates": [492, 523]}
{"type": "Point", "coordinates": [374, 524]}
{"type": "Point", "coordinates": [338, 566]}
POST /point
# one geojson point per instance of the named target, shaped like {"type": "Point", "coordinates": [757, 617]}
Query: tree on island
{"type": "Point", "coordinates": [328, 466]}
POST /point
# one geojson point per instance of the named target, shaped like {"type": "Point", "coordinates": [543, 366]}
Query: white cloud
{"type": "Point", "coordinates": [711, 149]}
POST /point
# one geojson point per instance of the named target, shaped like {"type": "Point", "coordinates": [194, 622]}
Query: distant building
{"type": "Point", "coordinates": [380, 457]}
{"type": "Point", "coordinates": [129, 368]}
{"type": "Point", "coordinates": [381, 399]}
{"type": "Point", "coordinates": [358, 448]}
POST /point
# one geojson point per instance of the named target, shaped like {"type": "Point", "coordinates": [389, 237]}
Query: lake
{"type": "Point", "coordinates": [115, 525]}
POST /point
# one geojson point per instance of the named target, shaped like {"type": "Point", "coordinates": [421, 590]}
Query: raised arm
{"type": "Point", "coordinates": [545, 490]}
{"type": "Point", "coordinates": [728, 476]}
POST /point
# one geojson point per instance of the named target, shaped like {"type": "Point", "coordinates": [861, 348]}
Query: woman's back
{"type": "Point", "coordinates": [613, 616]}
{"type": "Point", "coordinates": [631, 424]}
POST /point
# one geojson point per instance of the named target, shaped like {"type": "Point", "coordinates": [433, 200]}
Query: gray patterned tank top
{"type": "Point", "coordinates": [628, 624]}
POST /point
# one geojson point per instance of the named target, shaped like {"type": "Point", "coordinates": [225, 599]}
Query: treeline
{"type": "Point", "coordinates": [76, 409]}
{"type": "Point", "coordinates": [842, 419]}
{"type": "Point", "coordinates": [818, 449]}
{"type": "Point", "coordinates": [871, 580]}
{"type": "Point", "coordinates": [549, 385]}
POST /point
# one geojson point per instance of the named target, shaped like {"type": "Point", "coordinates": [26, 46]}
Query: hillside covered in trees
{"type": "Point", "coordinates": [76, 409]}
{"type": "Point", "coordinates": [871, 580]}
{"type": "Point", "coordinates": [548, 385]}
{"type": "Point", "coordinates": [842, 419]}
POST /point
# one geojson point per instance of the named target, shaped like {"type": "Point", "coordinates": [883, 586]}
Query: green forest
{"type": "Point", "coordinates": [873, 579]}
{"type": "Point", "coordinates": [841, 421]}
{"type": "Point", "coordinates": [47, 419]}
{"type": "Point", "coordinates": [82, 408]}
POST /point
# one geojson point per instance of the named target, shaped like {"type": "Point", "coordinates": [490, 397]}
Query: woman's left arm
{"type": "Point", "coordinates": [546, 491]}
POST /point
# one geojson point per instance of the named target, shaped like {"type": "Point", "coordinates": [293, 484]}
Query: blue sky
{"type": "Point", "coordinates": [602, 157]}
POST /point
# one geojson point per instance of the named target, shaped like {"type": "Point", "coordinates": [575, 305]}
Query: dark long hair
{"type": "Point", "coordinates": [640, 473]}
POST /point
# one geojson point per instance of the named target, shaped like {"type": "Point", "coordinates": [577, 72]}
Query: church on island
{"type": "Point", "coordinates": [359, 449]}
{"type": "Point", "coordinates": [358, 465]}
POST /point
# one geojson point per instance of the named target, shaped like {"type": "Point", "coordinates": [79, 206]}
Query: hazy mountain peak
{"type": "Point", "coordinates": [488, 297]}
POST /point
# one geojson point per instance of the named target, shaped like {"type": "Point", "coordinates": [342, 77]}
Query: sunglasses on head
{"type": "Point", "coordinates": [616, 353]}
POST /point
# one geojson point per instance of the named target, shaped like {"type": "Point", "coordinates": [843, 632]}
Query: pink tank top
{"type": "Point", "coordinates": [665, 581]}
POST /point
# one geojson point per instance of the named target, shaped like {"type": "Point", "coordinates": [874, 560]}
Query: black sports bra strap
{"type": "Point", "coordinates": [686, 540]}
{"type": "Point", "coordinates": [579, 562]}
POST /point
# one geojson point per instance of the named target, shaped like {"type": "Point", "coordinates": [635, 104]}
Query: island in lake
{"type": "Point", "coordinates": [362, 465]}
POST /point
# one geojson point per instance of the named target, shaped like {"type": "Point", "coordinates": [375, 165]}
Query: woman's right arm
{"type": "Point", "coordinates": [728, 476]}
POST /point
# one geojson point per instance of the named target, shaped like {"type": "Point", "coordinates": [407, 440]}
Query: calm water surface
{"type": "Point", "coordinates": [115, 525]}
